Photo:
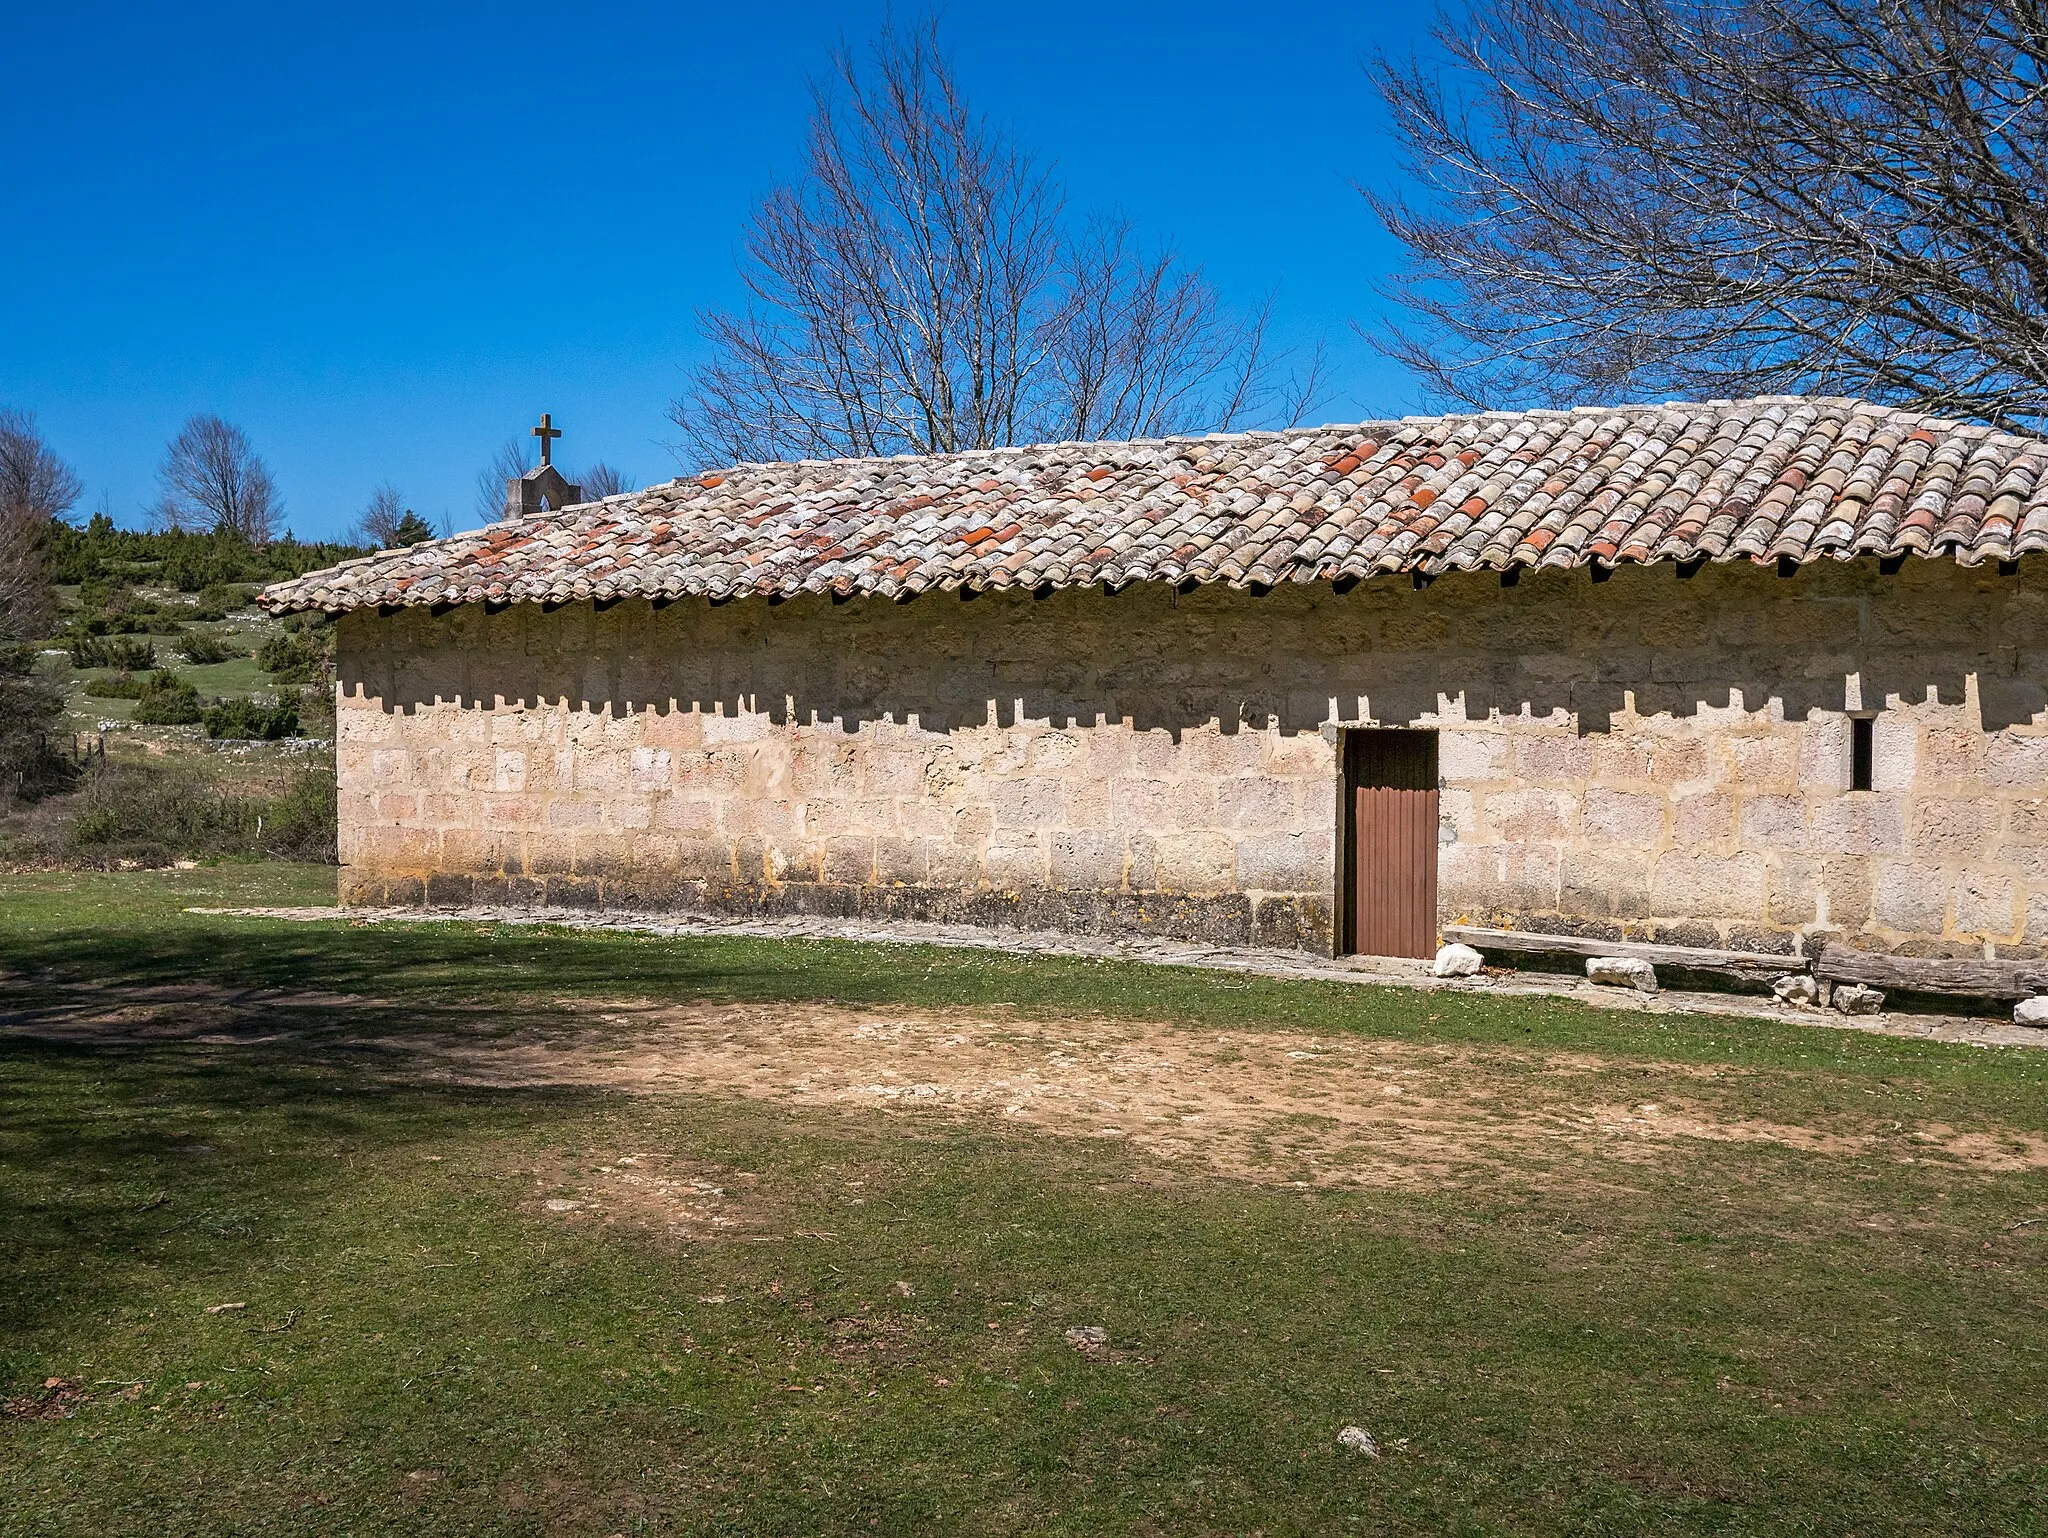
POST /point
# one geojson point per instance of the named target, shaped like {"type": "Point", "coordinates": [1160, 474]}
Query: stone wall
{"type": "Point", "coordinates": [1647, 756]}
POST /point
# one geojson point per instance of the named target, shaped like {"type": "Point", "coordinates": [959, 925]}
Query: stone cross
{"type": "Point", "coordinates": [547, 433]}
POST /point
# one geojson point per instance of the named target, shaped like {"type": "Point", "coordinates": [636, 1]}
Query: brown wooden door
{"type": "Point", "coordinates": [1391, 852]}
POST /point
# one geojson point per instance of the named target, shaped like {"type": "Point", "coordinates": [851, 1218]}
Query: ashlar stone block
{"type": "Point", "coordinates": [1194, 862]}
{"type": "Point", "coordinates": [1707, 886]}
{"type": "Point", "coordinates": [1911, 898]}
{"type": "Point", "coordinates": [1623, 817]}
{"type": "Point", "coordinates": [1285, 862]}
{"type": "Point", "coordinates": [1987, 905]}
{"type": "Point", "coordinates": [1087, 861]}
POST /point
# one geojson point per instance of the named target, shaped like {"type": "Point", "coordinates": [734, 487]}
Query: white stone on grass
{"type": "Point", "coordinates": [1797, 989]}
{"type": "Point", "coordinates": [1855, 999]}
{"type": "Point", "coordinates": [2032, 1011]}
{"type": "Point", "coordinates": [1359, 1440]}
{"type": "Point", "coordinates": [1088, 1339]}
{"type": "Point", "coordinates": [1622, 972]}
{"type": "Point", "coordinates": [1457, 961]}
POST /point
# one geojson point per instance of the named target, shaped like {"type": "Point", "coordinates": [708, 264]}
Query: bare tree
{"type": "Point", "coordinates": [1729, 197]}
{"type": "Point", "coordinates": [602, 480]}
{"type": "Point", "coordinates": [213, 480]}
{"type": "Point", "coordinates": [378, 523]}
{"type": "Point", "coordinates": [513, 459]}
{"type": "Point", "coordinates": [920, 288]}
{"type": "Point", "coordinates": [388, 524]}
{"type": "Point", "coordinates": [36, 487]}
{"type": "Point", "coordinates": [1143, 347]}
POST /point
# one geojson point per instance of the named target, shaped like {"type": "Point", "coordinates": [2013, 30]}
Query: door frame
{"type": "Point", "coordinates": [1350, 749]}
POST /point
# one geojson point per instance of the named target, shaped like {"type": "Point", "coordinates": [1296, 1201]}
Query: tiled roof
{"type": "Point", "coordinates": [1762, 480]}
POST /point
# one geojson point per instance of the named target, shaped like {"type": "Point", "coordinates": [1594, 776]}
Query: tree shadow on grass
{"type": "Point", "coordinates": [138, 1147]}
{"type": "Point", "coordinates": [423, 976]}
{"type": "Point", "coordinates": [434, 961]}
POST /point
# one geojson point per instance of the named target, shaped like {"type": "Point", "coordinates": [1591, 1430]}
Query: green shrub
{"type": "Point", "coordinates": [190, 562]}
{"type": "Point", "coordinates": [122, 686]}
{"type": "Point", "coordinates": [300, 822]}
{"type": "Point", "coordinates": [166, 700]}
{"type": "Point", "coordinates": [217, 600]}
{"type": "Point", "coordinates": [128, 653]}
{"type": "Point", "coordinates": [201, 647]}
{"type": "Point", "coordinates": [195, 573]}
{"type": "Point", "coordinates": [316, 712]}
{"type": "Point", "coordinates": [242, 719]}
{"type": "Point", "coordinates": [110, 606]}
{"type": "Point", "coordinates": [291, 659]}
{"type": "Point", "coordinates": [156, 814]}
{"type": "Point", "coordinates": [159, 814]}
{"type": "Point", "coordinates": [105, 624]}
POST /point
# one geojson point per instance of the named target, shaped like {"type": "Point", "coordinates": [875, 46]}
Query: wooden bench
{"type": "Point", "coordinates": [1928, 974]}
{"type": "Point", "coordinates": [1745, 966]}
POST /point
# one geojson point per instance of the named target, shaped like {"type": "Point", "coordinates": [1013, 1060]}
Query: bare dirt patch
{"type": "Point", "coordinates": [1274, 1105]}
{"type": "Point", "coordinates": [650, 1190]}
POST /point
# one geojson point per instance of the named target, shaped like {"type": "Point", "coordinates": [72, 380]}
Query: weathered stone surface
{"type": "Point", "coordinates": [1855, 999]}
{"type": "Point", "coordinates": [1985, 904]}
{"type": "Point", "coordinates": [1911, 899]}
{"type": "Point", "coordinates": [1622, 972]}
{"type": "Point", "coordinates": [1457, 961]}
{"type": "Point", "coordinates": [1624, 817]}
{"type": "Point", "coordinates": [2032, 1011]}
{"type": "Point", "coordinates": [1711, 886]}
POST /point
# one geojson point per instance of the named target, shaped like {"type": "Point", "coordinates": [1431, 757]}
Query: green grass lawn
{"type": "Point", "coordinates": [1731, 1337]}
{"type": "Point", "coordinates": [238, 675]}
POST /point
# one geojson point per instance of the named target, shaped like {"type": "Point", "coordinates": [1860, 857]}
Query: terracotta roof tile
{"type": "Point", "coordinates": [1785, 477]}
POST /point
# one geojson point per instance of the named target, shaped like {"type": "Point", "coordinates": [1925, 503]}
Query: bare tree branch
{"type": "Point", "coordinates": [388, 524]}
{"type": "Point", "coordinates": [213, 480]}
{"type": "Point", "coordinates": [603, 480]}
{"type": "Point", "coordinates": [36, 488]}
{"type": "Point", "coordinates": [921, 289]}
{"type": "Point", "coordinates": [513, 459]}
{"type": "Point", "coordinates": [378, 523]}
{"type": "Point", "coordinates": [1729, 197]}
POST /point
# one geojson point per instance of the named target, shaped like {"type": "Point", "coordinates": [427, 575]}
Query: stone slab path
{"type": "Point", "coordinates": [1382, 970]}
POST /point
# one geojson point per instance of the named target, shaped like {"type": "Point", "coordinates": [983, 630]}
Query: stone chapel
{"type": "Point", "coordinates": [1756, 675]}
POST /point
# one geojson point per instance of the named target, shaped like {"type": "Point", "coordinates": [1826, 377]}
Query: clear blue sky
{"type": "Point", "coordinates": [383, 238]}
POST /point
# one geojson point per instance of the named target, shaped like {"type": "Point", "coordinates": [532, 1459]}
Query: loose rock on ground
{"type": "Point", "coordinates": [1622, 972]}
{"type": "Point", "coordinates": [1457, 961]}
{"type": "Point", "coordinates": [1359, 1440]}
{"type": "Point", "coordinates": [1088, 1339]}
{"type": "Point", "coordinates": [1797, 989]}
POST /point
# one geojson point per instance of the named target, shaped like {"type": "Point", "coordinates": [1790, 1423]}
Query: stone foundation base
{"type": "Point", "coordinates": [1281, 921]}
